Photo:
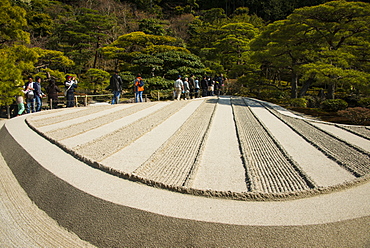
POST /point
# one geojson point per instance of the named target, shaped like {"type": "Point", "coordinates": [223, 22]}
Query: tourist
{"type": "Point", "coordinates": [179, 87]}
{"type": "Point", "coordinates": [186, 88]}
{"type": "Point", "coordinates": [139, 88]}
{"type": "Point", "coordinates": [29, 89]}
{"type": "Point", "coordinates": [38, 94]}
{"type": "Point", "coordinates": [20, 104]}
{"type": "Point", "coordinates": [70, 85]}
{"type": "Point", "coordinates": [210, 86]}
{"type": "Point", "coordinates": [52, 92]}
{"type": "Point", "coordinates": [196, 88]}
{"type": "Point", "coordinates": [204, 86]}
{"type": "Point", "coordinates": [116, 87]}
{"type": "Point", "coordinates": [192, 85]}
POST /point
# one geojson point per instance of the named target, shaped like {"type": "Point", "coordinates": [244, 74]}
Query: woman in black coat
{"type": "Point", "coordinates": [52, 91]}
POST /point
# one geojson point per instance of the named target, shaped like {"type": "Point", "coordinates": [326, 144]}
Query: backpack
{"type": "Point", "coordinates": [141, 83]}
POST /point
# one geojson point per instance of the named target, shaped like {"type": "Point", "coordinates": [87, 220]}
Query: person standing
{"type": "Point", "coordinates": [38, 94]}
{"type": "Point", "coordinates": [204, 85]}
{"type": "Point", "coordinates": [20, 104]}
{"type": "Point", "coordinates": [52, 92]}
{"type": "Point", "coordinates": [196, 88]}
{"type": "Point", "coordinates": [210, 86]}
{"type": "Point", "coordinates": [186, 89]}
{"type": "Point", "coordinates": [139, 88]}
{"type": "Point", "coordinates": [192, 86]}
{"type": "Point", "coordinates": [70, 85]}
{"type": "Point", "coordinates": [116, 87]}
{"type": "Point", "coordinates": [29, 90]}
{"type": "Point", "coordinates": [179, 87]}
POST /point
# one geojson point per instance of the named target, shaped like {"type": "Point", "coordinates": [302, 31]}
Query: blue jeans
{"type": "Point", "coordinates": [116, 95]}
{"type": "Point", "coordinates": [139, 96]}
{"type": "Point", "coordinates": [38, 100]}
{"type": "Point", "coordinates": [31, 105]}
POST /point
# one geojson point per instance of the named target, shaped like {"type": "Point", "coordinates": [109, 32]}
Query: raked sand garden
{"type": "Point", "coordinates": [226, 152]}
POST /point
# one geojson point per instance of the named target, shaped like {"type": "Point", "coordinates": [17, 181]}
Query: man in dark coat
{"type": "Point", "coordinates": [116, 87]}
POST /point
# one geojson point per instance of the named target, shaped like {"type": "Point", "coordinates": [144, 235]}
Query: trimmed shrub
{"type": "Point", "coordinates": [298, 102]}
{"type": "Point", "coordinates": [356, 115]}
{"type": "Point", "coordinates": [365, 102]}
{"type": "Point", "coordinates": [333, 105]}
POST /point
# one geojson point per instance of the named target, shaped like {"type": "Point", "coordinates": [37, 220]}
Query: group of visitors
{"type": "Point", "coordinates": [116, 87]}
{"type": "Point", "coordinates": [33, 94]}
{"type": "Point", "coordinates": [191, 87]}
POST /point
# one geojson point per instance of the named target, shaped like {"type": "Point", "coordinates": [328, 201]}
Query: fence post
{"type": "Point", "coordinates": [76, 103]}
{"type": "Point", "coordinates": [158, 95]}
{"type": "Point", "coordinates": [146, 97]}
{"type": "Point", "coordinates": [51, 103]}
{"type": "Point", "coordinates": [85, 100]}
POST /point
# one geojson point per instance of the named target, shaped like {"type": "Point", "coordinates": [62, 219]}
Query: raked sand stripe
{"type": "Point", "coordinates": [269, 167]}
{"type": "Point", "coordinates": [106, 145]}
{"type": "Point", "coordinates": [72, 115]}
{"type": "Point", "coordinates": [135, 154]}
{"type": "Point", "coordinates": [92, 121]}
{"type": "Point", "coordinates": [221, 167]}
{"type": "Point", "coordinates": [176, 161]}
{"type": "Point", "coordinates": [358, 130]}
{"type": "Point", "coordinates": [354, 160]}
{"type": "Point", "coordinates": [83, 117]}
{"type": "Point", "coordinates": [96, 133]}
{"type": "Point", "coordinates": [344, 135]}
{"type": "Point", "coordinates": [323, 171]}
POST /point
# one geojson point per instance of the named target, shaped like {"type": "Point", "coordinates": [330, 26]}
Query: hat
{"type": "Point", "coordinates": [68, 76]}
{"type": "Point", "coordinates": [179, 76]}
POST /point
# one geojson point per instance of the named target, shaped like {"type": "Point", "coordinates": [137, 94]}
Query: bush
{"type": "Point", "coordinates": [333, 105]}
{"type": "Point", "coordinates": [356, 115]}
{"type": "Point", "coordinates": [365, 102]}
{"type": "Point", "coordinates": [312, 101]}
{"type": "Point", "coordinates": [298, 102]}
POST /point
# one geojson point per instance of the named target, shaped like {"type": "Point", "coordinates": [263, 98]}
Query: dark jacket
{"type": "Point", "coordinates": [116, 83]}
{"type": "Point", "coordinates": [52, 91]}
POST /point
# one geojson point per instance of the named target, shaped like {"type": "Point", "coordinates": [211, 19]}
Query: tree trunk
{"type": "Point", "coordinates": [331, 90]}
{"type": "Point", "coordinates": [294, 85]}
{"type": "Point", "coordinates": [305, 87]}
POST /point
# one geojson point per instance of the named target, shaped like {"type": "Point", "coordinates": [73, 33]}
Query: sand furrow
{"type": "Point", "coordinates": [350, 157]}
{"type": "Point", "coordinates": [267, 164]}
{"type": "Point", "coordinates": [360, 131]}
{"type": "Point", "coordinates": [103, 119]}
{"type": "Point", "coordinates": [64, 117]}
{"type": "Point", "coordinates": [107, 145]}
{"type": "Point", "coordinates": [174, 161]}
